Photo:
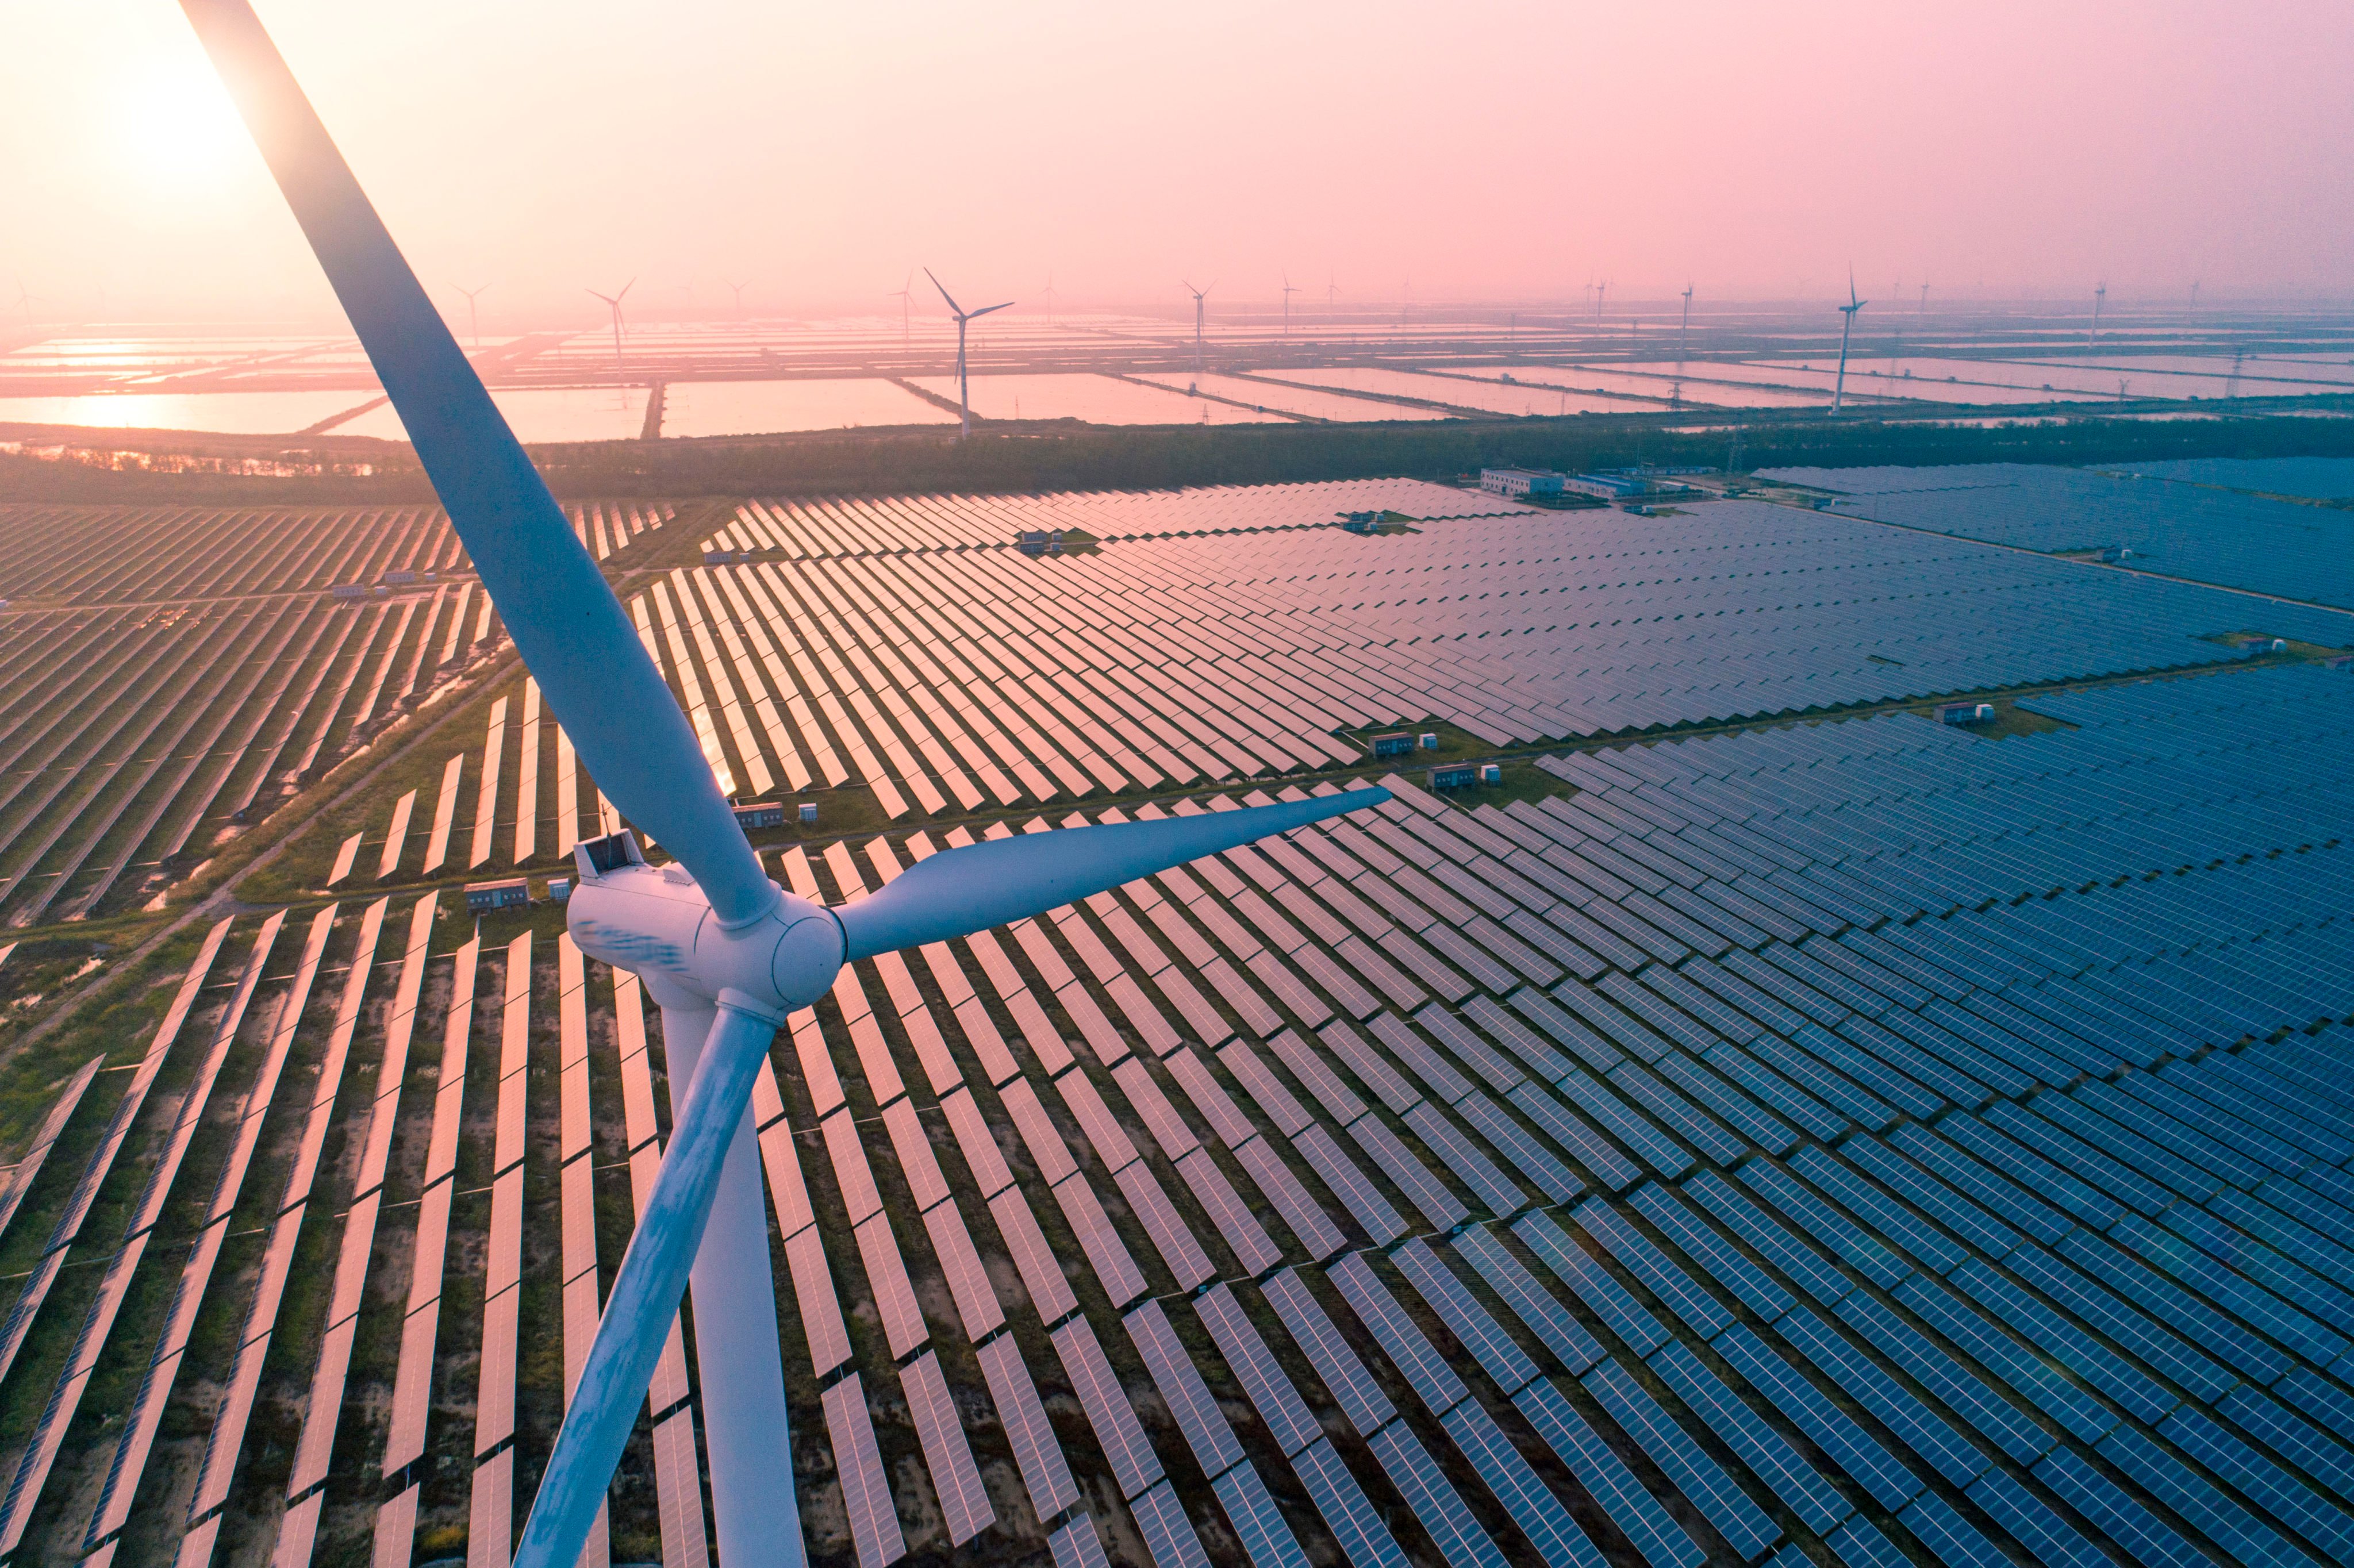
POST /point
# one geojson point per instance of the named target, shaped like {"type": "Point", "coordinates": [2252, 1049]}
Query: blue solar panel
{"type": "Point", "coordinates": [1769, 1455]}
{"type": "Point", "coordinates": [1716, 1256]}
{"type": "Point", "coordinates": [1535, 1305]}
{"type": "Point", "coordinates": [1701, 1478]}
{"type": "Point", "coordinates": [1606, 1479]}
{"type": "Point", "coordinates": [1926, 1433]}
{"type": "Point", "coordinates": [1833, 1431]}
{"type": "Point", "coordinates": [1595, 1286]}
{"type": "Point", "coordinates": [1540, 1514]}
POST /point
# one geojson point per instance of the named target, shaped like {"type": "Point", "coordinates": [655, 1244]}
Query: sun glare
{"type": "Point", "coordinates": [177, 130]}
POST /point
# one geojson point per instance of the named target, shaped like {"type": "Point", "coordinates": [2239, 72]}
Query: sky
{"type": "Point", "coordinates": [1487, 152]}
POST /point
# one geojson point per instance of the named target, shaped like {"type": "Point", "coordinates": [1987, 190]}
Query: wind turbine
{"type": "Point", "coordinates": [1051, 297]}
{"type": "Point", "coordinates": [1288, 291]}
{"type": "Point", "coordinates": [2100, 292]}
{"type": "Point", "coordinates": [902, 295]}
{"type": "Point", "coordinates": [1838, 387]}
{"type": "Point", "coordinates": [612, 302]}
{"type": "Point", "coordinates": [1331, 292]}
{"type": "Point", "coordinates": [725, 953]}
{"type": "Point", "coordinates": [738, 289]}
{"type": "Point", "coordinates": [1924, 299]}
{"type": "Point", "coordinates": [2194, 296]}
{"type": "Point", "coordinates": [1201, 297]}
{"type": "Point", "coordinates": [1684, 329]}
{"type": "Point", "coordinates": [964, 405]}
{"type": "Point", "coordinates": [474, 316]}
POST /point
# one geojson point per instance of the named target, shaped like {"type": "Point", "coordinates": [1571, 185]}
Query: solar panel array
{"type": "Point", "coordinates": [2182, 530]}
{"type": "Point", "coordinates": [172, 673]}
{"type": "Point", "coordinates": [2322, 478]}
{"type": "Point", "coordinates": [862, 525]}
{"type": "Point", "coordinates": [137, 554]}
{"type": "Point", "coordinates": [1824, 1143]}
{"type": "Point", "coordinates": [1804, 1139]}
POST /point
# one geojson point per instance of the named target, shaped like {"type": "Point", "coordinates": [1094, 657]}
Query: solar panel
{"type": "Point", "coordinates": [2118, 1516]}
{"type": "Point", "coordinates": [1036, 1451]}
{"type": "Point", "coordinates": [1595, 1286]}
{"type": "Point", "coordinates": [1168, 1534]}
{"type": "Point", "coordinates": [1540, 1514]}
{"type": "Point", "coordinates": [1076, 1546]}
{"type": "Point", "coordinates": [1833, 1431]}
{"type": "Point", "coordinates": [1355, 1524]}
{"type": "Point", "coordinates": [964, 1504]}
{"type": "Point", "coordinates": [1666, 1208]}
{"type": "Point", "coordinates": [1404, 1343]}
{"type": "Point", "coordinates": [1954, 1538]}
{"type": "Point", "coordinates": [1606, 1479]}
{"type": "Point", "coordinates": [866, 1491]}
{"type": "Point", "coordinates": [1436, 1502]}
{"type": "Point", "coordinates": [1769, 1455]}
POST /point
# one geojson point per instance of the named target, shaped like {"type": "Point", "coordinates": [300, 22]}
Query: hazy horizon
{"type": "Point", "coordinates": [1505, 155]}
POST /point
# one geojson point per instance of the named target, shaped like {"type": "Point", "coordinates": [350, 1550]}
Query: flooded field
{"type": "Point", "coordinates": [1332, 406]}
{"type": "Point", "coordinates": [762, 408]}
{"type": "Point", "coordinates": [538, 414]}
{"type": "Point", "coordinates": [213, 413]}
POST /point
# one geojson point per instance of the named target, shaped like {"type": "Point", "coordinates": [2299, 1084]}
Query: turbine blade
{"type": "Point", "coordinates": [646, 1291]}
{"type": "Point", "coordinates": [985, 310]}
{"type": "Point", "coordinates": [960, 891]}
{"type": "Point", "coordinates": [953, 307]}
{"type": "Point", "coordinates": [595, 673]}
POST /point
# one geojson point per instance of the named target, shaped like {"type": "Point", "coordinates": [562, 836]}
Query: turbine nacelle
{"type": "Point", "coordinates": [656, 923]}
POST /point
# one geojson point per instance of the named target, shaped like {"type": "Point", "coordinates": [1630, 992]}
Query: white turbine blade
{"type": "Point", "coordinates": [571, 631]}
{"type": "Point", "coordinates": [954, 308]}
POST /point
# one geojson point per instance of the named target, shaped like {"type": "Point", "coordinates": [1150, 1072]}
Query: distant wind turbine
{"type": "Point", "coordinates": [1683, 330]}
{"type": "Point", "coordinates": [738, 290]}
{"type": "Point", "coordinates": [1331, 292]}
{"type": "Point", "coordinates": [1924, 299]}
{"type": "Point", "coordinates": [613, 303]}
{"type": "Point", "coordinates": [1288, 291]}
{"type": "Point", "coordinates": [964, 402]}
{"type": "Point", "coordinates": [1201, 312]}
{"type": "Point", "coordinates": [1838, 387]}
{"type": "Point", "coordinates": [2100, 292]}
{"type": "Point", "coordinates": [901, 294]}
{"type": "Point", "coordinates": [1598, 290]}
{"type": "Point", "coordinates": [2194, 296]}
{"type": "Point", "coordinates": [1051, 297]}
{"type": "Point", "coordinates": [474, 316]}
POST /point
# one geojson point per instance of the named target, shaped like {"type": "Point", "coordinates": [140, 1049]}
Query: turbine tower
{"type": "Point", "coordinates": [613, 303]}
{"type": "Point", "coordinates": [474, 316]}
{"type": "Point", "coordinates": [2100, 292]}
{"type": "Point", "coordinates": [901, 293]}
{"type": "Point", "coordinates": [727, 954]}
{"type": "Point", "coordinates": [1331, 292]}
{"type": "Point", "coordinates": [1051, 297]}
{"type": "Point", "coordinates": [738, 291]}
{"type": "Point", "coordinates": [1838, 387]}
{"type": "Point", "coordinates": [1684, 329]}
{"type": "Point", "coordinates": [1924, 299]}
{"type": "Point", "coordinates": [1201, 297]}
{"type": "Point", "coordinates": [1288, 291]}
{"type": "Point", "coordinates": [964, 403]}
{"type": "Point", "coordinates": [2194, 296]}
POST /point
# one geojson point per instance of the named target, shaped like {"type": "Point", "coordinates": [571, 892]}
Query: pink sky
{"type": "Point", "coordinates": [1500, 151]}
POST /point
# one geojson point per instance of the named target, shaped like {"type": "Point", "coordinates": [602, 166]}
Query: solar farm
{"type": "Point", "coordinates": [1761, 1124]}
{"type": "Point", "coordinates": [2266, 544]}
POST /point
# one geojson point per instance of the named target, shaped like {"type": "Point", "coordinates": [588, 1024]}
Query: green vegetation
{"type": "Point", "coordinates": [1083, 457]}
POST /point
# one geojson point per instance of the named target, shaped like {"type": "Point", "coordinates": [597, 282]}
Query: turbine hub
{"type": "Point", "coordinates": [657, 924]}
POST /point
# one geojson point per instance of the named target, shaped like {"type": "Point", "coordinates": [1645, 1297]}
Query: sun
{"type": "Point", "coordinates": [176, 131]}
